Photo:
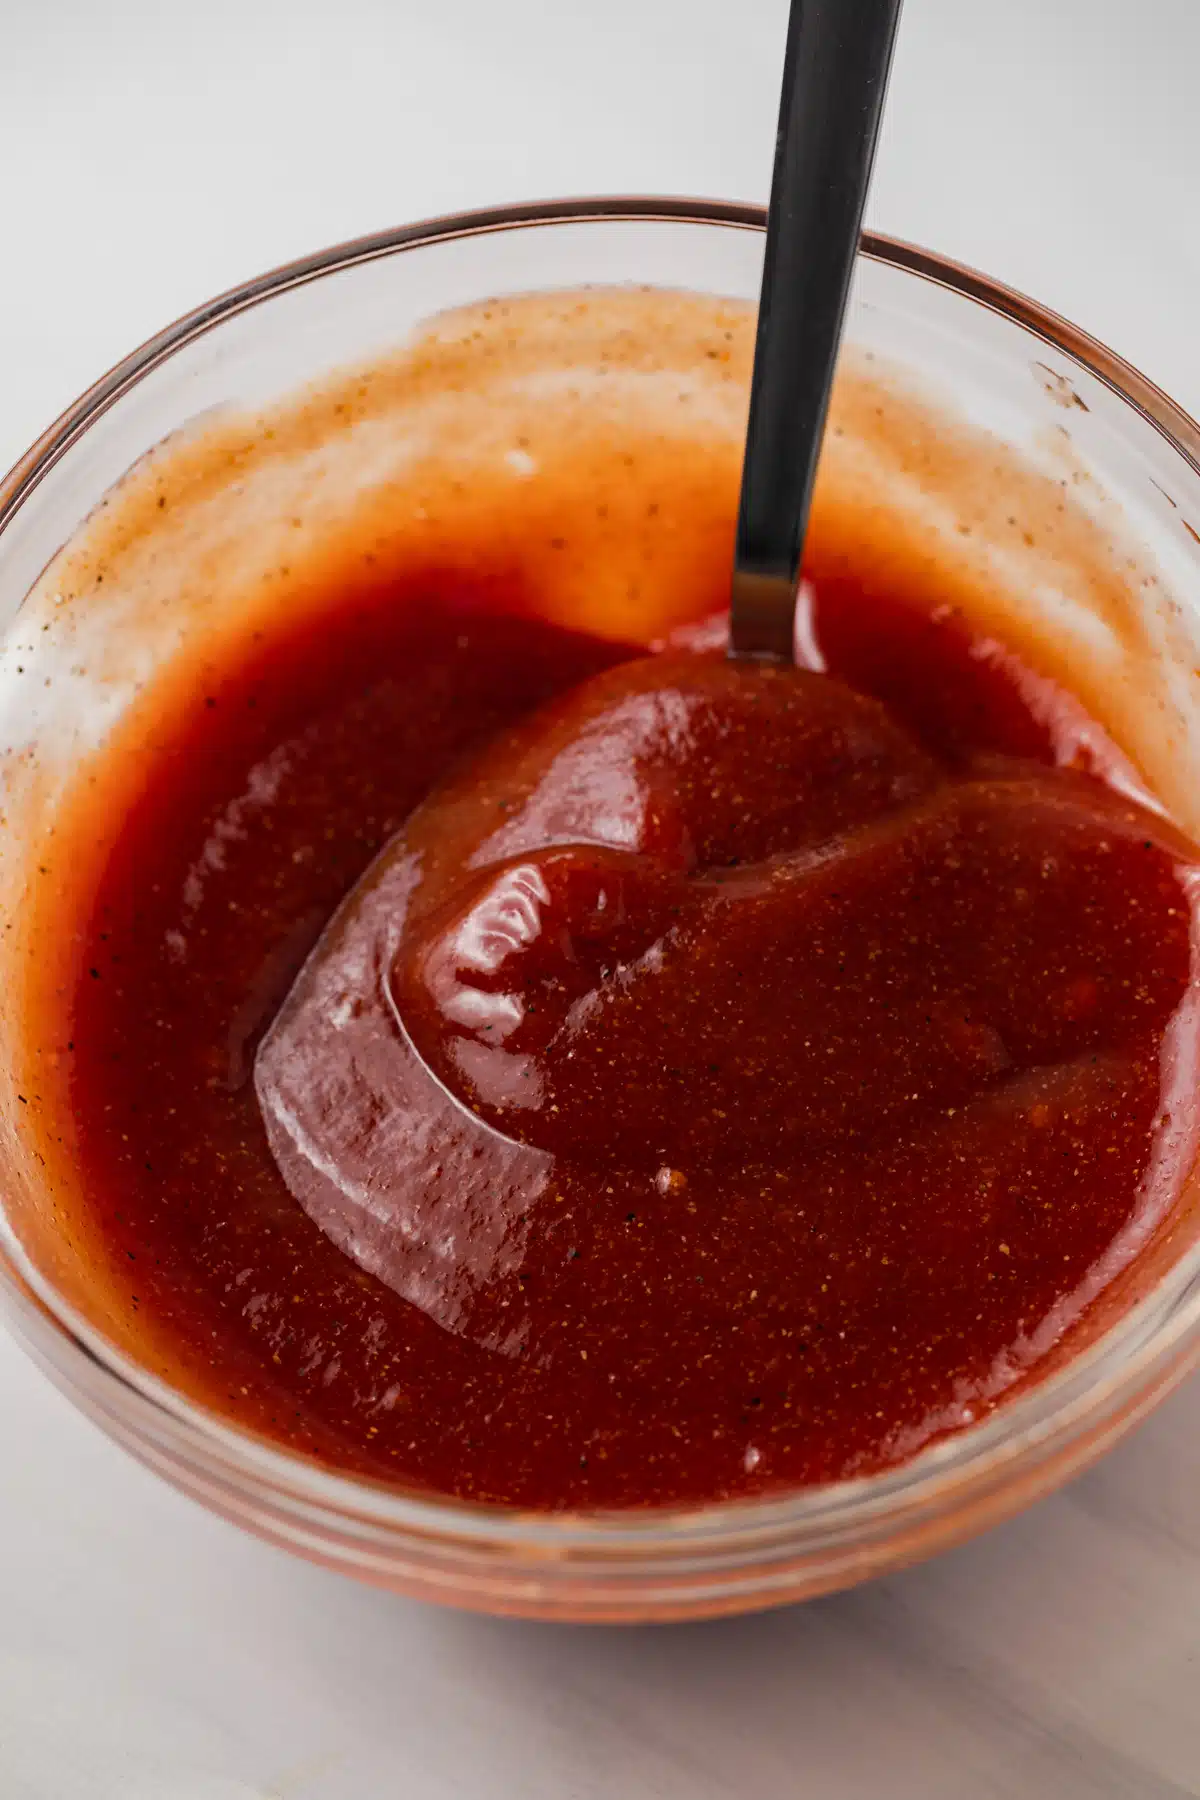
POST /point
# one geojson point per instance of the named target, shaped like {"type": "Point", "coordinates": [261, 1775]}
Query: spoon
{"type": "Point", "coordinates": [835, 71]}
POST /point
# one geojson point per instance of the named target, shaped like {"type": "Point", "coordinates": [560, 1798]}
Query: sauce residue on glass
{"type": "Point", "coordinates": [713, 1080]}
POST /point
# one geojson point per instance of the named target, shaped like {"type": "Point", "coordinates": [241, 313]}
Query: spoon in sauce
{"type": "Point", "coordinates": [834, 76]}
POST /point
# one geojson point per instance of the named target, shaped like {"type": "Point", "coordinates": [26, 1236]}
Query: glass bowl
{"type": "Point", "coordinates": [1007, 365]}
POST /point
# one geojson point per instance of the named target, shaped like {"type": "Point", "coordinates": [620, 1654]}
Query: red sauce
{"type": "Point", "coordinates": [722, 1079]}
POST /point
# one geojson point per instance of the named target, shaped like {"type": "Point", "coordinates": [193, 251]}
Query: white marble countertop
{"type": "Point", "coordinates": [154, 152]}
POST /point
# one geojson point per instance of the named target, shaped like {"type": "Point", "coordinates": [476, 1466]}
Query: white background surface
{"type": "Point", "coordinates": [152, 153]}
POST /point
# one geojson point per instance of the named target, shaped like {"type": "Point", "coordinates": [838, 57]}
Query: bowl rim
{"type": "Point", "coordinates": [975, 1461]}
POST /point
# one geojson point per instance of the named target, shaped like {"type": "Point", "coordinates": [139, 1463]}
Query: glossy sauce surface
{"type": "Point", "coordinates": [720, 1080]}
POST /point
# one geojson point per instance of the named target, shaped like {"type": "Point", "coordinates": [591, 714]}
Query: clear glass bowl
{"type": "Point", "coordinates": [1007, 365]}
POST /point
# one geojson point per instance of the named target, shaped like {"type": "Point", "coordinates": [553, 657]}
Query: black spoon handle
{"type": "Point", "coordinates": [834, 76]}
